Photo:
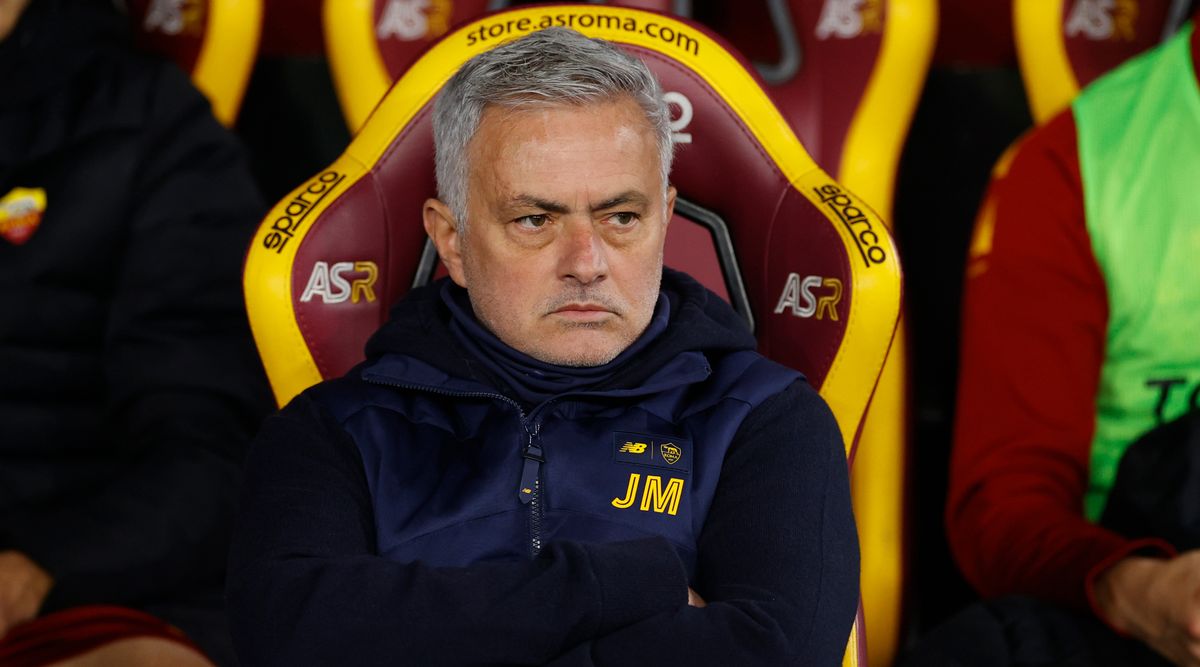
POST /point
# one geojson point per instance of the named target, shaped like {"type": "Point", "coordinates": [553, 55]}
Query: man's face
{"type": "Point", "coordinates": [10, 11]}
{"type": "Point", "coordinates": [562, 255]}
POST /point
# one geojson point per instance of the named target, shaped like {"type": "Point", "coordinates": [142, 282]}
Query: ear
{"type": "Point", "coordinates": [439, 225]}
{"type": "Point", "coordinates": [670, 205]}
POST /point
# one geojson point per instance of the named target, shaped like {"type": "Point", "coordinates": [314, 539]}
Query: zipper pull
{"type": "Point", "coordinates": [529, 472]}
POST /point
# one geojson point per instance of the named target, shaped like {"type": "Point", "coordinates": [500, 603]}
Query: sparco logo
{"type": "Point", "coordinates": [854, 219]}
{"type": "Point", "coordinates": [410, 20]}
{"type": "Point", "coordinates": [847, 19]}
{"type": "Point", "coordinates": [1103, 19]}
{"type": "Point", "coordinates": [330, 284]}
{"type": "Point", "coordinates": [285, 226]}
{"type": "Point", "coordinates": [798, 297]}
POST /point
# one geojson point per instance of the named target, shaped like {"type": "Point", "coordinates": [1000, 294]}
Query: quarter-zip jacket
{"type": "Point", "coordinates": [412, 511]}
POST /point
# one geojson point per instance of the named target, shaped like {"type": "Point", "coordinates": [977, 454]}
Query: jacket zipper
{"type": "Point", "coordinates": [529, 490]}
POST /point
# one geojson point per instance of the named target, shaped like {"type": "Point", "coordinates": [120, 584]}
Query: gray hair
{"type": "Point", "coordinates": [551, 67]}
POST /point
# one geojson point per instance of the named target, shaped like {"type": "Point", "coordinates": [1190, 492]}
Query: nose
{"type": "Point", "coordinates": [583, 257]}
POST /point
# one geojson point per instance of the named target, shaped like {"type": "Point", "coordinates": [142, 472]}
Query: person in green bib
{"type": "Point", "coordinates": [1074, 501]}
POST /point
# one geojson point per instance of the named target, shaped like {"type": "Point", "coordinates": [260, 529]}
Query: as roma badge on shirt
{"type": "Point", "coordinates": [21, 212]}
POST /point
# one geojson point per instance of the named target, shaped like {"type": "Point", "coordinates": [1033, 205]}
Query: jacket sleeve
{"type": "Point", "coordinates": [307, 587]}
{"type": "Point", "coordinates": [778, 555]}
{"type": "Point", "coordinates": [1034, 326]}
{"type": "Point", "coordinates": [185, 388]}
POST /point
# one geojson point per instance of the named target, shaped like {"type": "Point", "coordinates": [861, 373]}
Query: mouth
{"type": "Point", "coordinates": [583, 312]}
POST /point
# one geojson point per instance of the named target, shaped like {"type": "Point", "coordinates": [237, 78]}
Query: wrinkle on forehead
{"type": "Point", "coordinates": [537, 144]}
{"type": "Point", "coordinates": [535, 151]}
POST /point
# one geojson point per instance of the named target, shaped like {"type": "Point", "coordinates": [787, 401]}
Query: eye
{"type": "Point", "coordinates": [532, 221]}
{"type": "Point", "coordinates": [624, 218]}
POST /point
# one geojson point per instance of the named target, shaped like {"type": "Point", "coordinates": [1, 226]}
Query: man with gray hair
{"type": "Point", "coordinates": [564, 453]}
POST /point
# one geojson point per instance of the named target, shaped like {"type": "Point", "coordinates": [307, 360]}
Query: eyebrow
{"type": "Point", "coordinates": [628, 197]}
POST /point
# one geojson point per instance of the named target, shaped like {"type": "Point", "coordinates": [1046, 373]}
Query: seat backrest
{"type": "Point", "coordinates": [846, 74]}
{"type": "Point", "coordinates": [371, 43]}
{"type": "Point", "coordinates": [801, 238]}
{"type": "Point", "coordinates": [805, 260]}
{"type": "Point", "coordinates": [1063, 45]}
{"type": "Point", "coordinates": [214, 41]}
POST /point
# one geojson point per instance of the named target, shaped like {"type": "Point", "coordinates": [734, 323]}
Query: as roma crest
{"type": "Point", "coordinates": [20, 214]}
{"type": "Point", "coordinates": [670, 452]}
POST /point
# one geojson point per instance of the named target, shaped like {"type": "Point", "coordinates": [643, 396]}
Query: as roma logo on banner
{"type": "Point", "coordinates": [20, 214]}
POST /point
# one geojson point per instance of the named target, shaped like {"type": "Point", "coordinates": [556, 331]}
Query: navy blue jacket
{"type": "Point", "coordinates": [412, 513]}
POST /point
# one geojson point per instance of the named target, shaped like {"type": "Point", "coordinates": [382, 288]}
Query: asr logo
{"type": "Point", "coordinates": [670, 452]}
{"type": "Point", "coordinates": [798, 297]}
{"type": "Point", "coordinates": [655, 497]}
{"type": "Point", "coordinates": [175, 17]}
{"type": "Point", "coordinates": [331, 286]}
{"type": "Point", "coordinates": [410, 20]}
{"type": "Point", "coordinates": [847, 19]}
{"type": "Point", "coordinates": [20, 214]}
{"type": "Point", "coordinates": [1100, 20]}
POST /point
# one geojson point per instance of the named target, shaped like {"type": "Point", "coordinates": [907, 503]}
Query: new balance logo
{"type": "Point", "coordinates": [633, 448]}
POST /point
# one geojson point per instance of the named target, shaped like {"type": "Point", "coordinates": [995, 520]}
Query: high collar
{"type": "Point", "coordinates": [701, 326]}
{"type": "Point", "coordinates": [529, 379]}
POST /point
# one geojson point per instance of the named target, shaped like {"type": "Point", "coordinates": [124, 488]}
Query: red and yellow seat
{"type": "Point", "coordinates": [847, 77]}
{"type": "Point", "coordinates": [810, 265]}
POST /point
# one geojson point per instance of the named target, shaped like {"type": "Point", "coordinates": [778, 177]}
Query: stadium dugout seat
{"type": "Point", "coordinates": [847, 75]}
{"type": "Point", "coordinates": [812, 268]}
{"type": "Point", "coordinates": [1063, 45]}
{"type": "Point", "coordinates": [371, 43]}
{"type": "Point", "coordinates": [214, 41]}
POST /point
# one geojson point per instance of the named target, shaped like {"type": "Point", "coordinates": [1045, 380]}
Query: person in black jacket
{"type": "Point", "coordinates": [563, 454]}
{"type": "Point", "coordinates": [129, 387]}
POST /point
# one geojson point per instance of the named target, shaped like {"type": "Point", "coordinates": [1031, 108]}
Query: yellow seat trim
{"type": "Point", "coordinates": [360, 76]}
{"type": "Point", "coordinates": [1050, 82]}
{"type": "Point", "coordinates": [869, 163]}
{"type": "Point", "coordinates": [227, 55]}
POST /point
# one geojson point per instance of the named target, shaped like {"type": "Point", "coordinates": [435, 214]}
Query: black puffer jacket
{"type": "Point", "coordinates": [129, 385]}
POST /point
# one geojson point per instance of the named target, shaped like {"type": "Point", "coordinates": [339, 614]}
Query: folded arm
{"type": "Point", "coordinates": [778, 557]}
{"type": "Point", "coordinates": [306, 585]}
